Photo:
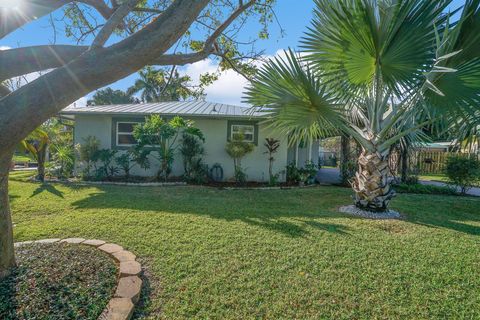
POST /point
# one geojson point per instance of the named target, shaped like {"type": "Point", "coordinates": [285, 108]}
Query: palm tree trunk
{"type": "Point", "coordinates": [344, 158]}
{"type": "Point", "coordinates": [41, 157]}
{"type": "Point", "coordinates": [404, 165]}
{"type": "Point", "coordinates": [371, 185]}
{"type": "Point", "coordinates": [7, 256]}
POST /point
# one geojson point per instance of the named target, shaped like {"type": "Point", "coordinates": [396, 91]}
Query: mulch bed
{"type": "Point", "coordinates": [58, 281]}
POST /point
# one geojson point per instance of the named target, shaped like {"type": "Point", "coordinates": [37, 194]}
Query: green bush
{"type": "Point", "coordinates": [463, 172]}
{"type": "Point", "coordinates": [88, 155]}
{"type": "Point", "coordinates": [424, 189]}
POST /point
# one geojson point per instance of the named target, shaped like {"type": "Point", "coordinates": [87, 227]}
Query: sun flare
{"type": "Point", "coordinates": [9, 4]}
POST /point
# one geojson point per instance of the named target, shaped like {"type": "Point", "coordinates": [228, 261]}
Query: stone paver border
{"type": "Point", "coordinates": [129, 285]}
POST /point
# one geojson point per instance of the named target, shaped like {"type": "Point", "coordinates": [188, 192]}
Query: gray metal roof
{"type": "Point", "coordinates": [185, 108]}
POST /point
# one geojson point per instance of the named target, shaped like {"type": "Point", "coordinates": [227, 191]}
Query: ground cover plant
{"type": "Point", "coordinates": [272, 254]}
{"type": "Point", "coordinates": [57, 281]}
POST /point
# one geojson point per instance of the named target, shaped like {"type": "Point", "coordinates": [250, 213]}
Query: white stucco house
{"type": "Point", "coordinates": [113, 126]}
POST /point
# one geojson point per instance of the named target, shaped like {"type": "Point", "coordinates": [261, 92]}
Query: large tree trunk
{"type": "Point", "coordinates": [371, 185]}
{"type": "Point", "coordinates": [7, 257]}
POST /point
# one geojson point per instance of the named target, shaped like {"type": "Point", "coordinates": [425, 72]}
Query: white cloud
{"type": "Point", "coordinates": [230, 85]}
{"type": "Point", "coordinates": [227, 89]}
{"type": "Point", "coordinates": [5, 48]}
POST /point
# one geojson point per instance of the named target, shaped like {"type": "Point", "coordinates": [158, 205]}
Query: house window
{"type": "Point", "coordinates": [248, 132]}
{"type": "Point", "coordinates": [245, 128]}
{"type": "Point", "coordinates": [125, 133]}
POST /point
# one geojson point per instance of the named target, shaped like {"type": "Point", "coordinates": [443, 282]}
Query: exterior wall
{"type": "Point", "coordinates": [216, 133]}
{"type": "Point", "coordinates": [299, 156]}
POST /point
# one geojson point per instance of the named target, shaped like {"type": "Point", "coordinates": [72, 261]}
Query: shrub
{"type": "Point", "coordinates": [463, 172]}
{"type": "Point", "coordinates": [293, 174]}
{"type": "Point", "coordinates": [88, 154]}
{"type": "Point", "coordinates": [63, 159]}
{"type": "Point", "coordinates": [192, 151]}
{"type": "Point", "coordinates": [272, 146]}
{"type": "Point", "coordinates": [107, 159]}
{"type": "Point", "coordinates": [162, 135]}
{"type": "Point", "coordinates": [134, 156]}
{"type": "Point", "coordinates": [424, 189]}
{"type": "Point", "coordinates": [347, 171]}
{"type": "Point", "coordinates": [237, 148]}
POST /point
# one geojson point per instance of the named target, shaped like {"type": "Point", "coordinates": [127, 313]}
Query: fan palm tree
{"type": "Point", "coordinates": [156, 86]}
{"type": "Point", "coordinates": [378, 70]}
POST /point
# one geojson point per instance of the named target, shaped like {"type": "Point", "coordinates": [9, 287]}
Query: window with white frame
{"type": "Point", "coordinates": [125, 133]}
{"type": "Point", "coordinates": [245, 130]}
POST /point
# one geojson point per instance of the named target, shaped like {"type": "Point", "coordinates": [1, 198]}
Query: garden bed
{"type": "Point", "coordinates": [58, 281]}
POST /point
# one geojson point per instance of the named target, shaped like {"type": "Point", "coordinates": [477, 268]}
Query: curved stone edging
{"type": "Point", "coordinates": [129, 285]}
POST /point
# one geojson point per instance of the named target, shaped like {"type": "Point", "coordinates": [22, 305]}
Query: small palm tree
{"type": "Point", "coordinates": [378, 70]}
{"type": "Point", "coordinates": [156, 85]}
{"type": "Point", "coordinates": [37, 144]}
{"type": "Point", "coordinates": [148, 84]}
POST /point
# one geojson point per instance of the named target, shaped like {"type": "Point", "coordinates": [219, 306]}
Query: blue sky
{"type": "Point", "coordinates": [294, 17]}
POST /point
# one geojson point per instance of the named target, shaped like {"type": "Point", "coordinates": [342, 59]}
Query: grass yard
{"type": "Point", "coordinates": [434, 177]}
{"type": "Point", "coordinates": [277, 254]}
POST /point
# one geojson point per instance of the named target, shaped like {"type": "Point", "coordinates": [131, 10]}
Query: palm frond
{"type": "Point", "coordinates": [352, 41]}
{"type": "Point", "coordinates": [299, 104]}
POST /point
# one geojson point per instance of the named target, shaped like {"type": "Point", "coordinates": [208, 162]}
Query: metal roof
{"type": "Point", "coordinates": [186, 108]}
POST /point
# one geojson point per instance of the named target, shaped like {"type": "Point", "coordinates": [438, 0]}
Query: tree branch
{"type": "Point", "coordinates": [31, 105]}
{"type": "Point", "coordinates": [209, 46]}
{"type": "Point", "coordinates": [17, 62]}
{"type": "Point", "coordinates": [115, 19]}
{"type": "Point", "coordinates": [4, 91]}
{"type": "Point", "coordinates": [29, 10]}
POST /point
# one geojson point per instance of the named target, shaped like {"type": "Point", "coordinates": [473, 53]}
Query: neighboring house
{"type": "Point", "coordinates": [113, 126]}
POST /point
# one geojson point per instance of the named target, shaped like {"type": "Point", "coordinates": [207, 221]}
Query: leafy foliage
{"type": "Point", "coordinates": [237, 148]}
{"type": "Point", "coordinates": [58, 281]}
{"type": "Point", "coordinates": [160, 136]}
{"type": "Point", "coordinates": [463, 172]}
{"type": "Point", "coordinates": [424, 189]}
{"type": "Point", "coordinates": [88, 154]}
{"type": "Point", "coordinates": [158, 85]}
{"type": "Point", "coordinates": [192, 151]}
{"type": "Point", "coordinates": [107, 168]}
{"type": "Point", "coordinates": [272, 146]}
{"type": "Point", "coordinates": [109, 96]}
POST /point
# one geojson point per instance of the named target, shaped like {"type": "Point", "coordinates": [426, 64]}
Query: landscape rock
{"type": "Point", "coordinates": [47, 241]}
{"type": "Point", "coordinates": [73, 240]}
{"type": "Point", "coordinates": [94, 243]}
{"type": "Point", "coordinates": [353, 210]}
{"type": "Point", "coordinates": [129, 287]}
{"type": "Point", "coordinates": [130, 268]}
{"type": "Point", "coordinates": [118, 309]}
{"type": "Point", "coordinates": [110, 248]}
{"type": "Point", "coordinates": [124, 256]}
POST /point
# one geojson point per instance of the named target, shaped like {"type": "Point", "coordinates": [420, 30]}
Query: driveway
{"type": "Point", "coordinates": [328, 176]}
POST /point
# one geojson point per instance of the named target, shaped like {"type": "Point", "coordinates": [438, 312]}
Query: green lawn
{"type": "Point", "coordinates": [22, 158]}
{"type": "Point", "coordinates": [281, 254]}
{"type": "Point", "coordinates": [434, 177]}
